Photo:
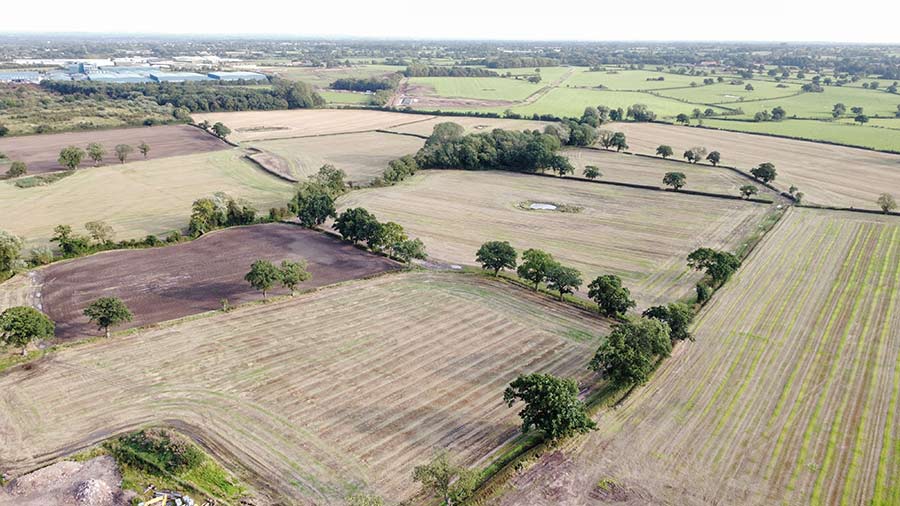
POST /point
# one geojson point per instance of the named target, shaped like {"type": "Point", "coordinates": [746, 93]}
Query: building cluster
{"type": "Point", "coordinates": [131, 71]}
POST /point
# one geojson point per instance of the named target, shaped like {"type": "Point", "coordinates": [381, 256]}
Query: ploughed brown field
{"type": "Point", "coordinates": [170, 282]}
{"type": "Point", "coordinates": [40, 152]}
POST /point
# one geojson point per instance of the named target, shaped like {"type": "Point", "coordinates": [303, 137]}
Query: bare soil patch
{"type": "Point", "coordinates": [95, 482]}
{"type": "Point", "coordinates": [174, 281]}
{"type": "Point", "coordinates": [40, 152]}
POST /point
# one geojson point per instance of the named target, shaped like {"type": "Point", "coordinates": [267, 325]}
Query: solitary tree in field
{"type": "Point", "coordinates": [886, 202]}
{"type": "Point", "coordinates": [765, 172]}
{"type": "Point", "coordinates": [563, 279]}
{"type": "Point", "coordinates": [749, 87]}
{"type": "Point", "coordinates": [612, 298]}
{"type": "Point", "coordinates": [17, 169]}
{"type": "Point", "coordinates": [714, 157]}
{"type": "Point", "coordinates": [446, 481]}
{"type": "Point", "coordinates": [683, 118]}
{"type": "Point", "coordinates": [628, 354]}
{"type": "Point", "coordinates": [293, 273]}
{"type": "Point", "coordinates": [20, 325]}
{"type": "Point", "coordinates": [313, 204]}
{"type": "Point", "coordinates": [619, 141]}
{"type": "Point", "coordinates": [838, 110]}
{"type": "Point", "coordinates": [551, 405]}
{"type": "Point", "coordinates": [95, 151]}
{"type": "Point", "coordinates": [122, 152]}
{"type": "Point", "coordinates": [496, 256]}
{"type": "Point", "coordinates": [677, 315]}
{"type": "Point", "coordinates": [861, 119]}
{"type": "Point", "coordinates": [778, 113]}
{"type": "Point", "coordinates": [748, 190]}
{"type": "Point", "coordinates": [592, 172]}
{"type": "Point", "coordinates": [534, 266]}
{"type": "Point", "coordinates": [71, 157]}
{"type": "Point", "coordinates": [664, 151]}
{"type": "Point", "coordinates": [262, 276]}
{"type": "Point", "coordinates": [144, 148]}
{"type": "Point", "coordinates": [221, 131]}
{"type": "Point", "coordinates": [676, 180]}
{"type": "Point", "coordinates": [107, 312]}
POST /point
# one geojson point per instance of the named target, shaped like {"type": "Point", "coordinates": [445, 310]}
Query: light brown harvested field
{"type": "Point", "coordinates": [471, 124]}
{"type": "Point", "coordinates": [362, 156]}
{"type": "Point", "coordinates": [170, 282]}
{"type": "Point", "coordinates": [829, 175]}
{"type": "Point", "coordinates": [347, 387]}
{"type": "Point", "coordinates": [21, 290]}
{"type": "Point", "coordinates": [258, 125]}
{"type": "Point", "coordinates": [624, 168]}
{"type": "Point", "coordinates": [40, 152]}
{"type": "Point", "coordinates": [643, 236]}
{"type": "Point", "coordinates": [788, 396]}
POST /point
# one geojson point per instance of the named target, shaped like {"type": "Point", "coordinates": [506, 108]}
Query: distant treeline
{"type": "Point", "coordinates": [434, 71]}
{"type": "Point", "coordinates": [199, 97]}
{"type": "Point", "coordinates": [367, 84]}
{"type": "Point", "coordinates": [515, 62]}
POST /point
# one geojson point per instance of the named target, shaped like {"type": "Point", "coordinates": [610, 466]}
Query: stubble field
{"type": "Point", "coordinates": [788, 396]}
{"type": "Point", "coordinates": [276, 392]}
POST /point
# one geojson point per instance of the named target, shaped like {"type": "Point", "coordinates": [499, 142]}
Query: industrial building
{"type": "Point", "coordinates": [177, 77]}
{"type": "Point", "coordinates": [20, 77]}
{"type": "Point", "coordinates": [238, 76]}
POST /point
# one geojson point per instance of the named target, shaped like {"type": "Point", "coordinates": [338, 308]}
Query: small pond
{"type": "Point", "coordinates": [542, 206]}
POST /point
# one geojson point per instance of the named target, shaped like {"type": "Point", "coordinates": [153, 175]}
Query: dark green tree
{"type": "Point", "coordinates": [592, 172]}
{"type": "Point", "coordinates": [19, 325]}
{"type": "Point", "coordinates": [496, 256]}
{"type": "Point", "coordinates": [450, 483]}
{"type": "Point", "coordinates": [677, 315]}
{"type": "Point", "coordinates": [551, 406]}
{"type": "Point", "coordinates": [765, 172]}
{"type": "Point", "coordinates": [357, 225]}
{"type": "Point", "coordinates": [293, 273]}
{"type": "Point", "coordinates": [263, 276]}
{"type": "Point", "coordinates": [676, 180]}
{"type": "Point", "coordinates": [612, 298]}
{"type": "Point", "coordinates": [71, 157]}
{"type": "Point", "coordinates": [714, 157]}
{"type": "Point", "coordinates": [719, 265]}
{"type": "Point", "coordinates": [664, 151]}
{"type": "Point", "coordinates": [563, 279]}
{"type": "Point", "coordinates": [107, 312]}
{"type": "Point", "coordinates": [409, 249]}
{"type": "Point", "coordinates": [221, 131]}
{"type": "Point", "coordinates": [748, 190]}
{"type": "Point", "coordinates": [629, 353]}
{"type": "Point", "coordinates": [534, 266]}
{"type": "Point", "coordinates": [313, 204]}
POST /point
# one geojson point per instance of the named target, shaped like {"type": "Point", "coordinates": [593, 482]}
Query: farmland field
{"type": "Point", "coordinates": [643, 236]}
{"type": "Point", "coordinates": [488, 88]}
{"type": "Point", "coordinates": [166, 283]}
{"type": "Point", "coordinates": [138, 198]}
{"type": "Point", "coordinates": [629, 79]}
{"type": "Point", "coordinates": [872, 137]}
{"type": "Point", "coordinates": [470, 124]}
{"type": "Point", "coordinates": [278, 393]}
{"type": "Point", "coordinates": [363, 156]}
{"type": "Point", "coordinates": [624, 168]}
{"type": "Point", "coordinates": [819, 105]}
{"type": "Point", "coordinates": [40, 152]}
{"type": "Point", "coordinates": [323, 77]}
{"type": "Point", "coordinates": [732, 95]}
{"type": "Point", "coordinates": [832, 175]}
{"type": "Point", "coordinates": [788, 396]}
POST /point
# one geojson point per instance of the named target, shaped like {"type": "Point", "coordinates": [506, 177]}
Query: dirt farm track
{"type": "Point", "coordinates": [164, 283]}
{"type": "Point", "coordinates": [40, 152]}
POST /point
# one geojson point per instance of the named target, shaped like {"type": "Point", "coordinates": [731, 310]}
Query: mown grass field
{"type": "Point", "coordinates": [732, 95]}
{"type": "Point", "coordinates": [819, 105]}
{"type": "Point", "coordinates": [620, 79]}
{"type": "Point", "coordinates": [789, 394]}
{"type": "Point", "coordinates": [838, 132]}
{"type": "Point", "coordinates": [643, 236]}
{"type": "Point", "coordinates": [321, 77]}
{"type": "Point", "coordinates": [136, 199]}
{"type": "Point", "coordinates": [275, 391]}
{"type": "Point", "coordinates": [826, 174]}
{"type": "Point", "coordinates": [490, 88]}
{"type": "Point", "coordinates": [340, 97]}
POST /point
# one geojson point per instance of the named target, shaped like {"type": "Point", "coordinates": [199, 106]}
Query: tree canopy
{"type": "Point", "coordinates": [629, 353]}
{"type": "Point", "coordinates": [263, 276]}
{"type": "Point", "coordinates": [496, 255]}
{"type": "Point", "coordinates": [19, 325]}
{"type": "Point", "coordinates": [611, 297]}
{"type": "Point", "coordinates": [535, 265]}
{"type": "Point", "coordinates": [107, 312]}
{"type": "Point", "coordinates": [551, 405]}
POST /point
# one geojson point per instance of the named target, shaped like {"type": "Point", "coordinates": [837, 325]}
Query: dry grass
{"type": "Point", "coordinates": [471, 124]}
{"type": "Point", "coordinates": [788, 396]}
{"type": "Point", "coordinates": [140, 198]}
{"type": "Point", "coordinates": [831, 175]}
{"type": "Point", "coordinates": [362, 156]}
{"type": "Point", "coordinates": [643, 236]}
{"type": "Point", "coordinates": [310, 398]}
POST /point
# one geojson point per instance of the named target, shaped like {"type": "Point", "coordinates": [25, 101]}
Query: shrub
{"type": "Point", "coordinates": [155, 450]}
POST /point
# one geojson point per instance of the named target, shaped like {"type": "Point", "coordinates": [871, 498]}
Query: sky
{"type": "Point", "coordinates": [871, 21]}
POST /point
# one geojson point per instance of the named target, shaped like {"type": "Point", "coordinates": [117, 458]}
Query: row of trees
{"type": "Point", "coordinates": [72, 156]}
{"type": "Point", "coordinates": [264, 275]}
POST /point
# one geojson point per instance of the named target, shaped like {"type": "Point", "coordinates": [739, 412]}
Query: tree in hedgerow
{"type": "Point", "coordinates": [695, 154]}
{"type": "Point", "coordinates": [95, 151]}
{"type": "Point", "coordinates": [683, 118]}
{"type": "Point", "coordinates": [719, 265]}
{"type": "Point", "coordinates": [100, 231]}
{"type": "Point", "coordinates": [612, 298]}
{"type": "Point", "coordinates": [144, 148]}
{"type": "Point", "coordinates": [122, 152]}
{"type": "Point", "coordinates": [765, 172]}
{"type": "Point", "coordinates": [592, 172]}
{"type": "Point", "coordinates": [293, 273]}
{"type": "Point", "coordinates": [886, 202]}
{"type": "Point", "coordinates": [665, 151]}
{"type": "Point", "coordinates": [71, 157]}
{"type": "Point", "coordinates": [627, 356]}
{"type": "Point", "coordinates": [17, 169]}
{"type": "Point", "coordinates": [107, 312]}
{"type": "Point", "coordinates": [534, 266]}
{"type": "Point", "coordinates": [441, 478]}
{"type": "Point", "coordinates": [205, 217]}
{"type": "Point", "coordinates": [714, 157]}
{"type": "Point", "coordinates": [677, 315]}
{"type": "Point", "coordinates": [551, 405]}
{"type": "Point", "coordinates": [331, 178]}
{"type": "Point", "coordinates": [676, 180]}
{"type": "Point", "coordinates": [220, 130]}
{"type": "Point", "coordinates": [563, 279]}
{"type": "Point", "coordinates": [748, 190]}
{"type": "Point", "coordinates": [410, 249]}
{"type": "Point", "coordinates": [619, 141]}
{"type": "Point", "coordinates": [262, 276]}
{"type": "Point", "coordinates": [496, 256]}
{"type": "Point", "coordinates": [356, 225]}
{"type": "Point", "coordinates": [10, 250]}
{"type": "Point", "coordinates": [387, 236]}
{"type": "Point", "coordinates": [70, 243]}
{"type": "Point", "coordinates": [313, 204]}
{"type": "Point", "coordinates": [19, 325]}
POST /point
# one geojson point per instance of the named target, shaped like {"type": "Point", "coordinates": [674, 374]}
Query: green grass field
{"type": "Point", "coordinates": [819, 105]}
{"type": "Point", "coordinates": [630, 79]}
{"type": "Point", "coordinates": [487, 88]}
{"type": "Point", "coordinates": [873, 137]}
{"type": "Point", "coordinates": [339, 97]}
{"type": "Point", "coordinates": [732, 95]}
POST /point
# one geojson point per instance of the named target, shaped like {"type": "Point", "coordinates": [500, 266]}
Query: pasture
{"type": "Point", "coordinates": [789, 394]}
{"type": "Point", "coordinates": [363, 156]}
{"type": "Point", "coordinates": [880, 134]}
{"type": "Point", "coordinates": [170, 282]}
{"type": "Point", "coordinates": [819, 105]}
{"type": "Point", "coordinates": [276, 391]}
{"type": "Point", "coordinates": [469, 124]}
{"type": "Point", "coordinates": [138, 198]}
{"type": "Point", "coordinates": [485, 88]}
{"type": "Point", "coordinates": [732, 95]}
{"type": "Point", "coordinates": [40, 152]}
{"type": "Point", "coordinates": [643, 236]}
{"type": "Point", "coordinates": [322, 77]}
{"type": "Point", "coordinates": [629, 80]}
{"type": "Point", "coordinates": [826, 174]}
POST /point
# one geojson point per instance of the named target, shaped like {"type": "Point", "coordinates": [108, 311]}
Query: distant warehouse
{"type": "Point", "coordinates": [20, 77]}
{"type": "Point", "coordinates": [177, 77]}
{"type": "Point", "coordinates": [238, 76]}
{"type": "Point", "coordinates": [118, 77]}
